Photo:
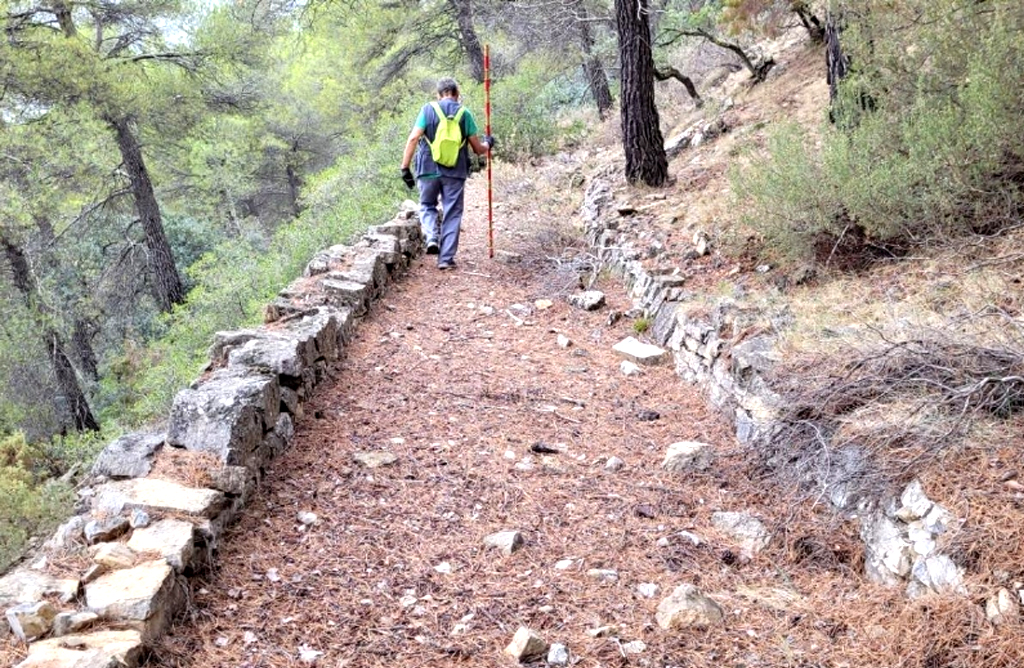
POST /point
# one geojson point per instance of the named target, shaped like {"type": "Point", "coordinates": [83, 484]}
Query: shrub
{"type": "Point", "coordinates": [31, 504]}
{"type": "Point", "coordinates": [940, 153]}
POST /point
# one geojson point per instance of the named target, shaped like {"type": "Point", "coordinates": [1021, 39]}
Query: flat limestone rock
{"type": "Point", "coordinates": [102, 649]}
{"type": "Point", "coordinates": [154, 495]}
{"type": "Point", "coordinates": [688, 456]}
{"type": "Point", "coordinates": [133, 593]}
{"type": "Point", "coordinates": [130, 456]}
{"type": "Point", "coordinates": [171, 539]}
{"type": "Point", "coordinates": [639, 352]}
{"type": "Point", "coordinates": [28, 586]}
{"type": "Point", "coordinates": [376, 458]}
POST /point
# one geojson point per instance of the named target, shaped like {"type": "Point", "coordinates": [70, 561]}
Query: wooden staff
{"type": "Point", "coordinates": [487, 111]}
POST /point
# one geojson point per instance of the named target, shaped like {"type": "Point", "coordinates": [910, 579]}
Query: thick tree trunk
{"type": "Point", "coordinates": [642, 140]}
{"type": "Point", "coordinates": [593, 68]}
{"type": "Point", "coordinates": [470, 41]}
{"type": "Point", "coordinates": [166, 283]}
{"type": "Point", "coordinates": [67, 381]}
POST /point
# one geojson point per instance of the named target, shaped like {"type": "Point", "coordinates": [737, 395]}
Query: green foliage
{"type": "Point", "coordinates": [532, 110]}
{"type": "Point", "coordinates": [32, 505]}
{"type": "Point", "coordinates": [941, 153]}
{"type": "Point", "coordinates": [641, 324]}
{"type": "Point", "coordinates": [238, 278]}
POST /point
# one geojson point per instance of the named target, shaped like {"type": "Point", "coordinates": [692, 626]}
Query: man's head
{"type": "Point", "coordinates": [447, 87]}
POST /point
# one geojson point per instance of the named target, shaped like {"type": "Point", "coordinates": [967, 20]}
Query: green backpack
{"type": "Point", "coordinates": [448, 139]}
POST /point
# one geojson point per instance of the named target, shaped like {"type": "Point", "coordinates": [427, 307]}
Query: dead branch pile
{"type": "Point", "coordinates": [871, 420]}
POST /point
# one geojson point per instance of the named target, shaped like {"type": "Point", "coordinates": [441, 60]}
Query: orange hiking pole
{"type": "Point", "coordinates": [487, 110]}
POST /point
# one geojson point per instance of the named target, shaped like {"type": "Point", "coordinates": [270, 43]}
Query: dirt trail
{"type": "Point", "coordinates": [444, 377]}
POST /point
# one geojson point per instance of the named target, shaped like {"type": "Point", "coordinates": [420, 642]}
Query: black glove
{"type": "Point", "coordinates": [410, 180]}
{"type": "Point", "coordinates": [490, 141]}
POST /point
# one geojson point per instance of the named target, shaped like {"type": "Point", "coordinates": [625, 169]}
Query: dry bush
{"type": "Point", "coordinates": [874, 416]}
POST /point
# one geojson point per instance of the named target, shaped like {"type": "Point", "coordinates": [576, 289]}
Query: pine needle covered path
{"type": "Point", "coordinates": [459, 376]}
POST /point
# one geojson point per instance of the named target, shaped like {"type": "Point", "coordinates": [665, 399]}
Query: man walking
{"type": "Point", "coordinates": [438, 182]}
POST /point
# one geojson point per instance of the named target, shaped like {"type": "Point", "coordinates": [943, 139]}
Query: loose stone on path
{"type": "Point", "coordinates": [526, 645]}
{"type": "Point", "coordinates": [640, 353]}
{"type": "Point", "coordinates": [375, 459]}
{"type": "Point", "coordinates": [506, 542]}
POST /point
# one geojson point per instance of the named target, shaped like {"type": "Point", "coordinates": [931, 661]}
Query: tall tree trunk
{"type": "Point", "coordinates": [166, 283]}
{"type": "Point", "coordinates": [293, 190]}
{"type": "Point", "coordinates": [592, 67]}
{"type": "Point", "coordinates": [81, 341]}
{"type": "Point", "coordinates": [470, 41]}
{"type": "Point", "coordinates": [837, 64]}
{"type": "Point", "coordinates": [84, 328]}
{"type": "Point", "coordinates": [67, 381]}
{"type": "Point", "coordinates": [642, 140]}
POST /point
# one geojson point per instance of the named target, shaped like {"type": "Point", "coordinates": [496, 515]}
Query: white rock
{"type": "Point", "coordinates": [627, 368]}
{"type": "Point", "coordinates": [590, 300]}
{"type": "Point", "coordinates": [66, 623]}
{"type": "Point", "coordinates": [563, 341]}
{"type": "Point", "coordinates": [687, 606]}
{"type": "Point", "coordinates": [744, 528]}
{"type": "Point", "coordinates": [505, 541]}
{"type": "Point", "coordinates": [688, 456]}
{"type": "Point", "coordinates": [133, 593]}
{"type": "Point", "coordinates": [375, 459]}
{"type": "Point", "coordinates": [614, 464]}
{"type": "Point", "coordinates": [100, 649]}
{"type": "Point", "coordinates": [29, 621]}
{"type": "Point", "coordinates": [1002, 607]}
{"type": "Point", "coordinates": [564, 564]}
{"type": "Point", "coordinates": [174, 540]}
{"type": "Point", "coordinates": [153, 494]}
{"type": "Point", "coordinates": [603, 574]}
{"type": "Point", "coordinates": [648, 589]}
{"type": "Point", "coordinates": [308, 518]}
{"type": "Point", "coordinates": [633, 647]}
{"type": "Point", "coordinates": [915, 504]}
{"type": "Point", "coordinates": [526, 645]}
{"type": "Point", "coordinates": [114, 556]}
{"type": "Point", "coordinates": [939, 574]}
{"type": "Point", "coordinates": [558, 655]}
{"type": "Point", "coordinates": [640, 353]}
{"type": "Point", "coordinates": [309, 655]}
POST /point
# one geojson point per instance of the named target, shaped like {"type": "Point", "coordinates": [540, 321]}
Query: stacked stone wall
{"type": "Point", "coordinates": [139, 537]}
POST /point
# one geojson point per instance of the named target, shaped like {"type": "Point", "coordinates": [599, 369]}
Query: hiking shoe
{"type": "Point", "coordinates": [433, 248]}
{"type": "Point", "coordinates": [446, 265]}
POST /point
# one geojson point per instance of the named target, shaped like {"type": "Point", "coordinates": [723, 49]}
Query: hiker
{"type": "Point", "coordinates": [442, 166]}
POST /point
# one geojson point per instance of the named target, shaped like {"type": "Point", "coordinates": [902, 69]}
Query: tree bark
{"type": "Point", "coordinates": [642, 140]}
{"type": "Point", "coordinates": [592, 67]}
{"type": "Point", "coordinates": [74, 399]}
{"type": "Point", "coordinates": [470, 41]}
{"type": "Point", "coordinates": [81, 341]}
{"type": "Point", "coordinates": [294, 185]}
{"type": "Point", "coordinates": [166, 282]}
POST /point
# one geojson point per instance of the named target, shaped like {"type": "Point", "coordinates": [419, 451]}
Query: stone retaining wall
{"type": "Point", "coordinates": [139, 538]}
{"type": "Point", "coordinates": [726, 346]}
{"type": "Point", "coordinates": [719, 344]}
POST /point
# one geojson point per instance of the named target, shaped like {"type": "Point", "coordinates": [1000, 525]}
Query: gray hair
{"type": "Point", "coordinates": [447, 85]}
